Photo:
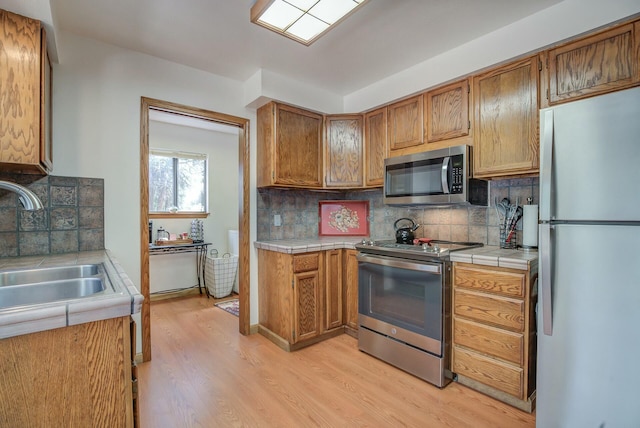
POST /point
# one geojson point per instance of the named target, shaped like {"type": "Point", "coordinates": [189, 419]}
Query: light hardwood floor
{"type": "Point", "coordinates": [205, 374]}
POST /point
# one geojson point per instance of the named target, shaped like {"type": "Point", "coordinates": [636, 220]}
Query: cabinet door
{"type": "Point", "coordinates": [351, 289]}
{"type": "Point", "coordinates": [376, 148]}
{"type": "Point", "coordinates": [506, 120]}
{"type": "Point", "coordinates": [306, 299]}
{"type": "Point", "coordinates": [46, 149]}
{"type": "Point", "coordinates": [602, 63]}
{"type": "Point", "coordinates": [298, 151]}
{"type": "Point", "coordinates": [447, 112]}
{"type": "Point", "coordinates": [333, 289]}
{"type": "Point", "coordinates": [344, 151]}
{"type": "Point", "coordinates": [20, 79]}
{"type": "Point", "coordinates": [406, 128]}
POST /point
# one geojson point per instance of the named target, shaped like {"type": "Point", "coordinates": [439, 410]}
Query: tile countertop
{"type": "Point", "coordinates": [495, 256]}
{"type": "Point", "coordinates": [125, 299]}
{"type": "Point", "coordinates": [297, 246]}
{"type": "Point", "coordinates": [487, 255]}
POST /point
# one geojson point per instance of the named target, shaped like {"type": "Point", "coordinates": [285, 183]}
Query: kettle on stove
{"type": "Point", "coordinates": [405, 235]}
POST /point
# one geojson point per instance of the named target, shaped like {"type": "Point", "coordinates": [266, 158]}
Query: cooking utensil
{"type": "Point", "coordinates": [405, 235]}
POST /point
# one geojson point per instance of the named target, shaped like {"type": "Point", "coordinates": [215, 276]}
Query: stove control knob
{"type": "Point", "coordinates": [372, 243]}
{"type": "Point", "coordinates": [436, 248]}
{"type": "Point", "coordinates": [364, 242]}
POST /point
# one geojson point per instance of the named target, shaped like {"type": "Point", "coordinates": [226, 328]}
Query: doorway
{"type": "Point", "coordinates": [148, 105]}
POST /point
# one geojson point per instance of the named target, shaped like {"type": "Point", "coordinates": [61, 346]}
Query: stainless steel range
{"type": "Point", "coordinates": [404, 304]}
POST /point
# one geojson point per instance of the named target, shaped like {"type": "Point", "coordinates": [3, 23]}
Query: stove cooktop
{"type": "Point", "coordinates": [426, 250]}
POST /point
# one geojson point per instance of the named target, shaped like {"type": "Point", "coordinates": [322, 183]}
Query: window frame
{"type": "Point", "coordinates": [176, 155]}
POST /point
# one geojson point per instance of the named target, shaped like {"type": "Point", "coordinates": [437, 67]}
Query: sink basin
{"type": "Point", "coordinates": [30, 276]}
{"type": "Point", "coordinates": [44, 285]}
{"type": "Point", "coordinates": [49, 291]}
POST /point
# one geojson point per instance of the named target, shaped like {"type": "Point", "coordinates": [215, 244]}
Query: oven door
{"type": "Point", "coordinates": [402, 299]}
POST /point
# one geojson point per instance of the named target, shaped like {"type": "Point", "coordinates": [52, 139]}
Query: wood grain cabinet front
{"type": "Point", "coordinates": [351, 291]}
{"type": "Point", "coordinates": [344, 151]}
{"type": "Point", "coordinates": [300, 297]}
{"type": "Point", "coordinates": [506, 120]}
{"type": "Point", "coordinates": [493, 340]}
{"type": "Point", "coordinates": [406, 123]}
{"type": "Point", "coordinates": [376, 147]}
{"type": "Point", "coordinates": [25, 82]}
{"type": "Point", "coordinates": [604, 62]}
{"type": "Point", "coordinates": [446, 112]}
{"type": "Point", "coordinates": [76, 376]}
{"type": "Point", "coordinates": [289, 147]}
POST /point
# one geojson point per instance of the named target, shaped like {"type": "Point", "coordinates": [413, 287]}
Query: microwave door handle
{"type": "Point", "coordinates": [444, 175]}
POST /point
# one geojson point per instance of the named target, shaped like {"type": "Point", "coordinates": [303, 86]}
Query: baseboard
{"type": "Point", "coordinates": [173, 294]}
{"type": "Point", "coordinates": [527, 406]}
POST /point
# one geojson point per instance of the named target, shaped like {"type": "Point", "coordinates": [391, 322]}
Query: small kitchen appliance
{"type": "Point", "coordinates": [435, 177]}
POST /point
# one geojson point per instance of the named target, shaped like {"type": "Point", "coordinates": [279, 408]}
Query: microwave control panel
{"type": "Point", "coordinates": [457, 174]}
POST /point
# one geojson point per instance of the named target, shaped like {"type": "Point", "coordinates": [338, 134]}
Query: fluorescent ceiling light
{"type": "Point", "coordinates": [302, 20]}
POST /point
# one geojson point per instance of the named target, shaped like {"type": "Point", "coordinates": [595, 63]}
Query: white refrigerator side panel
{"type": "Point", "coordinates": [588, 370]}
{"type": "Point", "coordinates": [595, 158]}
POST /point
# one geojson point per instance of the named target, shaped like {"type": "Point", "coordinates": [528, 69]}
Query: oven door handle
{"type": "Point", "coordinates": [435, 268]}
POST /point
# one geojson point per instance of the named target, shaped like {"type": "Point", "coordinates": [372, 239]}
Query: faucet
{"type": "Point", "coordinates": [28, 199]}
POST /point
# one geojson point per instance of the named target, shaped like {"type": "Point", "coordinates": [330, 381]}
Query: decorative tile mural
{"type": "Point", "coordinates": [298, 210]}
{"type": "Point", "coordinates": [72, 220]}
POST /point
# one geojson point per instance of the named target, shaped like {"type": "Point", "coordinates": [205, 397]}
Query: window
{"type": "Point", "coordinates": [177, 182]}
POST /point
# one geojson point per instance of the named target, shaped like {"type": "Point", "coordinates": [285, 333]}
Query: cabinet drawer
{"type": "Point", "coordinates": [489, 340]}
{"type": "Point", "coordinates": [495, 373]}
{"type": "Point", "coordinates": [500, 311]}
{"type": "Point", "coordinates": [501, 281]}
{"type": "Point", "coordinates": [306, 262]}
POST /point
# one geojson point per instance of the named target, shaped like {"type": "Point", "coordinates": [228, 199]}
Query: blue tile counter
{"type": "Point", "coordinates": [125, 299]}
{"type": "Point", "coordinates": [495, 256]}
{"type": "Point", "coordinates": [299, 246]}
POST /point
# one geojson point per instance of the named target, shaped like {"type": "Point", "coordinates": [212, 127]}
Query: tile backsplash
{"type": "Point", "coordinates": [72, 219]}
{"type": "Point", "coordinates": [298, 210]}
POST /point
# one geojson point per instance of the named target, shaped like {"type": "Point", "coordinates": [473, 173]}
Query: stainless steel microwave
{"type": "Point", "coordinates": [436, 177]}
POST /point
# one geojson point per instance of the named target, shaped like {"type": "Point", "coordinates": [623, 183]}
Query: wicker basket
{"type": "Point", "coordinates": [220, 274]}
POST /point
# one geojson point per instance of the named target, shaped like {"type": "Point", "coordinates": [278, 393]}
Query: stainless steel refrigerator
{"type": "Point", "coordinates": [588, 358]}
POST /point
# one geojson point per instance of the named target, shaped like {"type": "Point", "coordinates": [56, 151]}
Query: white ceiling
{"type": "Point", "coordinates": [381, 39]}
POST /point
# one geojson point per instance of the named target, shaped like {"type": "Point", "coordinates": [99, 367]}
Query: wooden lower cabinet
{"type": "Point", "coordinates": [300, 297]}
{"type": "Point", "coordinates": [351, 292]}
{"type": "Point", "coordinates": [76, 376]}
{"type": "Point", "coordinates": [494, 337]}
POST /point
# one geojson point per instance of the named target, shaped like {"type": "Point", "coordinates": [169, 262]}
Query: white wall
{"type": "Point", "coordinates": [558, 22]}
{"type": "Point", "coordinates": [96, 129]}
{"type": "Point", "coordinates": [168, 272]}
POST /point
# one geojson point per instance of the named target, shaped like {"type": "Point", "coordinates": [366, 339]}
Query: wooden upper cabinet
{"type": "Point", "coordinates": [406, 123]}
{"type": "Point", "coordinates": [25, 81]}
{"type": "Point", "coordinates": [447, 112]}
{"type": "Point", "coordinates": [289, 148]}
{"type": "Point", "coordinates": [344, 151]}
{"type": "Point", "coordinates": [506, 120]}
{"type": "Point", "coordinates": [594, 65]}
{"type": "Point", "coordinates": [376, 148]}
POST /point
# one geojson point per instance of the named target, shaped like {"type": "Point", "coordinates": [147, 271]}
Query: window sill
{"type": "Point", "coordinates": [179, 215]}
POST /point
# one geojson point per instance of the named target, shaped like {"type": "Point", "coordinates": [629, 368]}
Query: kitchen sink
{"type": "Point", "coordinates": [44, 285]}
{"type": "Point", "coordinates": [30, 276]}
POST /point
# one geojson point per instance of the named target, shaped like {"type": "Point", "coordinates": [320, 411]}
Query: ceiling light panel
{"type": "Point", "coordinates": [281, 14]}
{"type": "Point", "coordinates": [302, 20]}
{"type": "Point", "coordinates": [330, 11]}
{"type": "Point", "coordinates": [307, 27]}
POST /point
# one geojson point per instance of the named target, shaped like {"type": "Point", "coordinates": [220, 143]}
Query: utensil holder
{"type": "Point", "coordinates": [508, 238]}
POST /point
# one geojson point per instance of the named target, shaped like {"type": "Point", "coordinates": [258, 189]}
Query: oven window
{"type": "Point", "coordinates": [402, 297]}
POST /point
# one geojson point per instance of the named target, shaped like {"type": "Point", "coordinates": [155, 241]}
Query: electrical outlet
{"type": "Point", "coordinates": [277, 220]}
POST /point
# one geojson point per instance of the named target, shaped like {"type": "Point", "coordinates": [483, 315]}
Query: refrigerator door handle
{"type": "Point", "coordinates": [544, 270]}
{"type": "Point", "coordinates": [546, 158]}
